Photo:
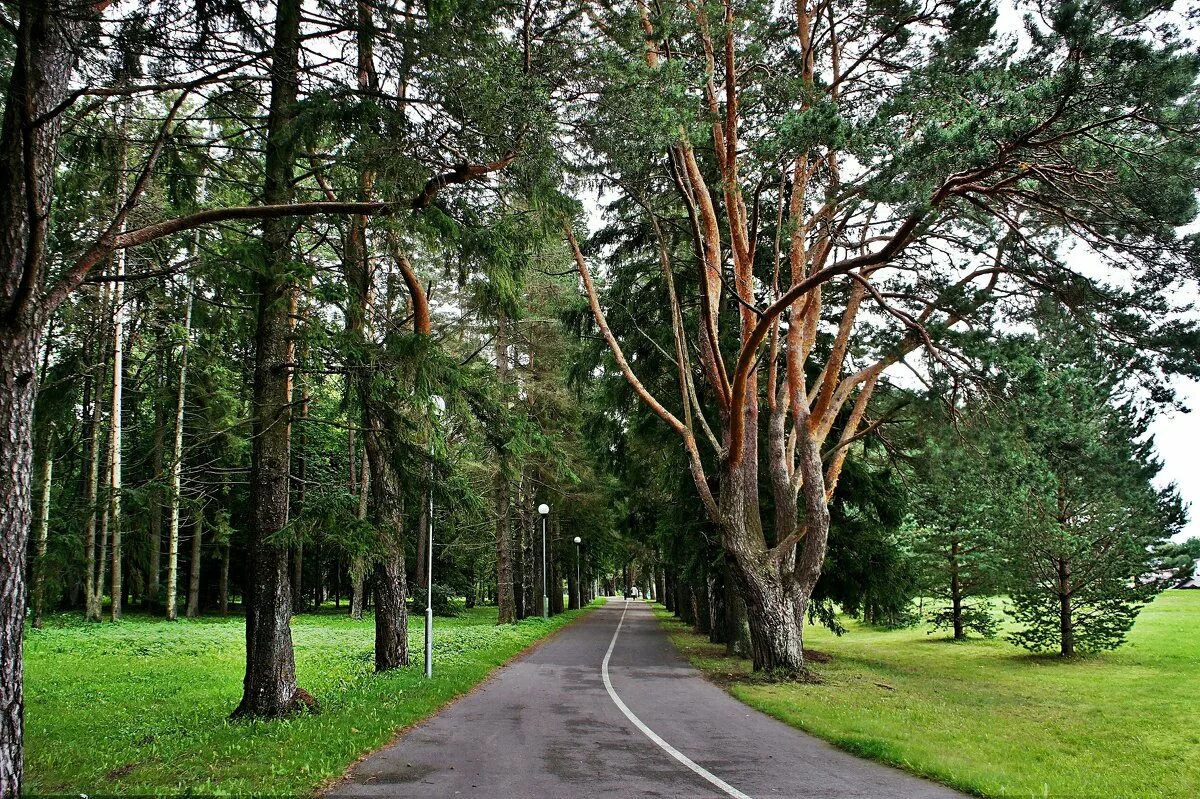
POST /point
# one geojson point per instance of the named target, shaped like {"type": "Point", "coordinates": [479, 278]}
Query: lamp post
{"type": "Point", "coordinates": [438, 406]}
{"type": "Point", "coordinates": [578, 585]}
{"type": "Point", "coordinates": [544, 510]}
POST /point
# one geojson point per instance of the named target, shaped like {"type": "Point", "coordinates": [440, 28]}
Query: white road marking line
{"type": "Point", "coordinates": [649, 733]}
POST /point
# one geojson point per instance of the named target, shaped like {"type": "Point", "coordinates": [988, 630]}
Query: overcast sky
{"type": "Point", "coordinates": [1177, 438]}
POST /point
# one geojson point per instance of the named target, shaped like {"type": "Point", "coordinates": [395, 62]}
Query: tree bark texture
{"type": "Point", "coordinates": [91, 490]}
{"type": "Point", "coordinates": [956, 598]}
{"type": "Point", "coordinates": [390, 584]}
{"type": "Point", "coordinates": [718, 632]}
{"type": "Point", "coordinates": [39, 80]}
{"type": "Point", "coordinates": [43, 534]}
{"type": "Point", "coordinates": [154, 569]}
{"type": "Point", "coordinates": [193, 600]}
{"type": "Point", "coordinates": [504, 567]}
{"type": "Point", "coordinates": [18, 360]}
{"type": "Point", "coordinates": [554, 566]}
{"type": "Point", "coordinates": [296, 555]}
{"type": "Point", "coordinates": [1066, 621]}
{"type": "Point", "coordinates": [176, 482]}
{"type": "Point", "coordinates": [702, 622]}
{"type": "Point", "coordinates": [269, 688]}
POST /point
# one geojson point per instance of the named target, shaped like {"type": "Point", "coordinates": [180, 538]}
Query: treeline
{"type": "Point", "coordinates": [143, 499]}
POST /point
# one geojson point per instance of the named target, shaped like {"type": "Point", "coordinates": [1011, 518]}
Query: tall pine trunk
{"type": "Point", "coordinates": [172, 590]}
{"type": "Point", "coordinates": [530, 585]}
{"type": "Point", "coordinates": [1066, 619]}
{"type": "Point", "coordinates": [358, 565]}
{"type": "Point", "coordinates": [554, 566]}
{"type": "Point", "coordinates": [223, 583]}
{"type": "Point", "coordinates": [390, 583]}
{"type": "Point", "coordinates": [91, 488]}
{"type": "Point", "coordinates": [115, 415]}
{"type": "Point", "coordinates": [297, 553]}
{"type": "Point", "coordinates": [43, 533]}
{"type": "Point", "coordinates": [18, 362]}
{"type": "Point", "coordinates": [504, 568]}
{"type": "Point", "coordinates": [154, 568]}
{"type": "Point", "coordinates": [423, 533]}
{"type": "Point", "coordinates": [39, 79]}
{"type": "Point", "coordinates": [193, 601]}
{"type": "Point", "coordinates": [269, 688]}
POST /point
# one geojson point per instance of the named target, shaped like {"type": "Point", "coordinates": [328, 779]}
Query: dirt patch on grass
{"type": "Point", "coordinates": [120, 772]}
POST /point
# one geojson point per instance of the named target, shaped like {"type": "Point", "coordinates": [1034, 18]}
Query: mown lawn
{"type": "Point", "coordinates": [990, 719]}
{"type": "Point", "coordinates": [142, 706]}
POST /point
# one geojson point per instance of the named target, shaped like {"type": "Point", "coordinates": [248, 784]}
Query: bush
{"type": "Point", "coordinates": [444, 603]}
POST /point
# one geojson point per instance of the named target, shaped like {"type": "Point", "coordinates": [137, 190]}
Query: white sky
{"type": "Point", "coordinates": [1177, 439]}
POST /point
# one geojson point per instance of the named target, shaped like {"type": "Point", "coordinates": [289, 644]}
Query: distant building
{"type": "Point", "coordinates": [1194, 580]}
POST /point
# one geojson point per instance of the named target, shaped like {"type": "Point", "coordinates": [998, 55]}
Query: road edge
{"type": "Point", "coordinates": [323, 788]}
{"type": "Point", "coordinates": [662, 615]}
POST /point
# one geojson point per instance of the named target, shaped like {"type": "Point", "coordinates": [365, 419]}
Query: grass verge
{"type": "Point", "coordinates": [141, 707]}
{"type": "Point", "coordinates": [990, 719]}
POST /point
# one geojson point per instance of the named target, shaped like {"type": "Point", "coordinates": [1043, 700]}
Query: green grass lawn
{"type": "Point", "coordinates": [990, 719]}
{"type": "Point", "coordinates": [142, 706]}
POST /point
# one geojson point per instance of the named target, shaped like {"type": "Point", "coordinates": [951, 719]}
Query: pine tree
{"type": "Point", "coordinates": [1083, 569]}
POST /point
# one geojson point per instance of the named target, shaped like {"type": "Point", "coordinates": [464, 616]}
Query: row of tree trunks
{"type": "Point", "coordinates": [737, 638]}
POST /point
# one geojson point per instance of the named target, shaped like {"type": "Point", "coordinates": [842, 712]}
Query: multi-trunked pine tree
{"type": "Point", "coordinates": [833, 189]}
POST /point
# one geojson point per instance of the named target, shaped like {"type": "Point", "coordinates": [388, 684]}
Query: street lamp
{"type": "Point", "coordinates": [544, 510]}
{"type": "Point", "coordinates": [578, 585]}
{"type": "Point", "coordinates": [438, 407]}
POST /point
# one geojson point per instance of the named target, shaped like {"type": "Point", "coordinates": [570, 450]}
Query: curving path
{"type": "Point", "coordinates": [608, 708]}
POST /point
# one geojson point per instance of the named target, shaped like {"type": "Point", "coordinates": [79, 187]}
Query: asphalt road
{"type": "Point", "coordinates": [601, 712]}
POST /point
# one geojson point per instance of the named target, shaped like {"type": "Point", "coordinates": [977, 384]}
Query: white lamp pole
{"type": "Point", "coordinates": [578, 585]}
{"type": "Point", "coordinates": [544, 510]}
{"type": "Point", "coordinates": [438, 405]}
